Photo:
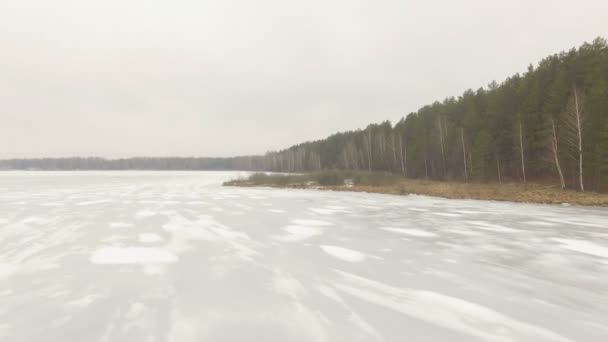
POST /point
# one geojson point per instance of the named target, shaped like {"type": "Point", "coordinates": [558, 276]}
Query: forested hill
{"type": "Point", "coordinates": [549, 124]}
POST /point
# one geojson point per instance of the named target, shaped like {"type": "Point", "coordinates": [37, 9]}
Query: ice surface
{"type": "Point", "coordinates": [445, 311]}
{"type": "Point", "coordinates": [581, 246]}
{"type": "Point", "coordinates": [344, 253]}
{"type": "Point", "coordinates": [132, 255]}
{"type": "Point", "coordinates": [176, 257]}
{"type": "Point", "coordinates": [121, 225]}
{"type": "Point", "coordinates": [298, 233]}
{"type": "Point", "coordinates": [410, 231]}
{"type": "Point", "coordinates": [149, 238]}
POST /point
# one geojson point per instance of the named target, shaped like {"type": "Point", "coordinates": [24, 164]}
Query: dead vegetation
{"type": "Point", "coordinates": [396, 185]}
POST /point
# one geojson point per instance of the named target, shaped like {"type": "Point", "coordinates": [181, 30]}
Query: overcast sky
{"type": "Point", "coordinates": [120, 78]}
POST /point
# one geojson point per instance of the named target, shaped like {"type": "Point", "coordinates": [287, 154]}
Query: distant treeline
{"type": "Point", "coordinates": [549, 124]}
{"type": "Point", "coordinates": [170, 163]}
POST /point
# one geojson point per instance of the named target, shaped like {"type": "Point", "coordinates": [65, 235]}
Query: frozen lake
{"type": "Point", "coordinates": [173, 256]}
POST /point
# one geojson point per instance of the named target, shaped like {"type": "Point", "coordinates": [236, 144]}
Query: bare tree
{"type": "Point", "coordinates": [403, 153]}
{"type": "Point", "coordinates": [368, 145]}
{"type": "Point", "coordinates": [464, 154]}
{"type": "Point", "coordinates": [574, 121]}
{"type": "Point", "coordinates": [498, 169]}
{"type": "Point", "coordinates": [554, 148]}
{"type": "Point", "coordinates": [394, 151]}
{"type": "Point", "coordinates": [441, 139]}
{"type": "Point", "coordinates": [521, 149]}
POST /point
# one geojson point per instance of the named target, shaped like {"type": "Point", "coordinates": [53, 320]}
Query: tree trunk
{"type": "Point", "coordinates": [369, 150]}
{"type": "Point", "coordinates": [403, 153]}
{"type": "Point", "coordinates": [580, 140]}
{"type": "Point", "coordinates": [471, 164]}
{"type": "Point", "coordinates": [426, 168]}
{"type": "Point", "coordinates": [521, 149]}
{"type": "Point", "coordinates": [464, 155]}
{"type": "Point", "coordinates": [394, 151]}
{"type": "Point", "coordinates": [441, 143]}
{"type": "Point", "coordinates": [498, 169]}
{"type": "Point", "coordinates": [556, 156]}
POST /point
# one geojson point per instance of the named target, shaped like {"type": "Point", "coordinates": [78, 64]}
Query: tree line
{"type": "Point", "coordinates": [141, 163]}
{"type": "Point", "coordinates": [549, 124]}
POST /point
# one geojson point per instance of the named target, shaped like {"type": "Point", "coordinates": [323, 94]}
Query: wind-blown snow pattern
{"type": "Point", "coordinates": [174, 256]}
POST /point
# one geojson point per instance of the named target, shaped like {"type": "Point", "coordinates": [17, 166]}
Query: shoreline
{"type": "Point", "coordinates": [509, 192]}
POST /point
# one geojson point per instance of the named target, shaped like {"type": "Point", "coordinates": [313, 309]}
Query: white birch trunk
{"type": "Point", "coordinates": [580, 140]}
{"type": "Point", "coordinates": [521, 148]}
{"type": "Point", "coordinates": [402, 154]}
{"type": "Point", "coordinates": [464, 155]}
{"type": "Point", "coordinates": [554, 147]}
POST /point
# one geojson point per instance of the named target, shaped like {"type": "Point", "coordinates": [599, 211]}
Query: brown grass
{"type": "Point", "coordinates": [513, 192]}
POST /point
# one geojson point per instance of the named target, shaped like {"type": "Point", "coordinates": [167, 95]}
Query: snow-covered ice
{"type": "Point", "coordinates": [345, 254]}
{"type": "Point", "coordinates": [174, 256]}
{"type": "Point", "coordinates": [132, 255]}
{"type": "Point", "coordinates": [410, 231]}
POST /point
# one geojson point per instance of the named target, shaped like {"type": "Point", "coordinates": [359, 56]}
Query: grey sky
{"type": "Point", "coordinates": [120, 78]}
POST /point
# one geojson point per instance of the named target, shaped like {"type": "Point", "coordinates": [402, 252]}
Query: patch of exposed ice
{"type": "Point", "coordinates": [366, 206]}
{"type": "Point", "coordinates": [194, 230]}
{"type": "Point", "coordinates": [588, 221]}
{"type": "Point", "coordinates": [144, 213]}
{"type": "Point", "coordinates": [53, 204]}
{"type": "Point", "coordinates": [121, 225]}
{"type": "Point", "coordinates": [464, 231]}
{"type": "Point", "coordinates": [135, 311]}
{"type": "Point", "coordinates": [445, 311]}
{"type": "Point", "coordinates": [149, 238]}
{"type": "Point", "coordinates": [322, 211]}
{"type": "Point", "coordinates": [287, 285]}
{"type": "Point", "coordinates": [582, 246]}
{"type": "Point", "coordinates": [483, 225]}
{"type": "Point", "coordinates": [540, 223]}
{"type": "Point", "coordinates": [93, 202]}
{"type": "Point", "coordinates": [409, 231]}
{"type": "Point", "coordinates": [343, 253]}
{"type": "Point", "coordinates": [330, 293]}
{"type": "Point", "coordinates": [338, 207]}
{"type": "Point", "coordinates": [196, 203]}
{"type": "Point", "coordinates": [34, 220]}
{"type": "Point", "coordinates": [82, 302]}
{"type": "Point", "coordinates": [7, 269]}
{"type": "Point", "coordinates": [447, 214]}
{"type": "Point", "coordinates": [114, 238]}
{"type": "Point", "coordinates": [314, 223]}
{"type": "Point", "coordinates": [132, 256]}
{"type": "Point", "coordinates": [299, 233]}
{"type": "Point", "coordinates": [329, 210]}
{"type": "Point", "coordinates": [468, 212]}
{"type": "Point", "coordinates": [277, 211]}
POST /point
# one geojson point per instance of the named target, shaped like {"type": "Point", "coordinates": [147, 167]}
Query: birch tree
{"type": "Point", "coordinates": [521, 150]}
{"type": "Point", "coordinates": [575, 122]}
{"type": "Point", "coordinates": [403, 154]}
{"type": "Point", "coordinates": [555, 150]}
{"type": "Point", "coordinates": [441, 141]}
{"type": "Point", "coordinates": [464, 154]}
